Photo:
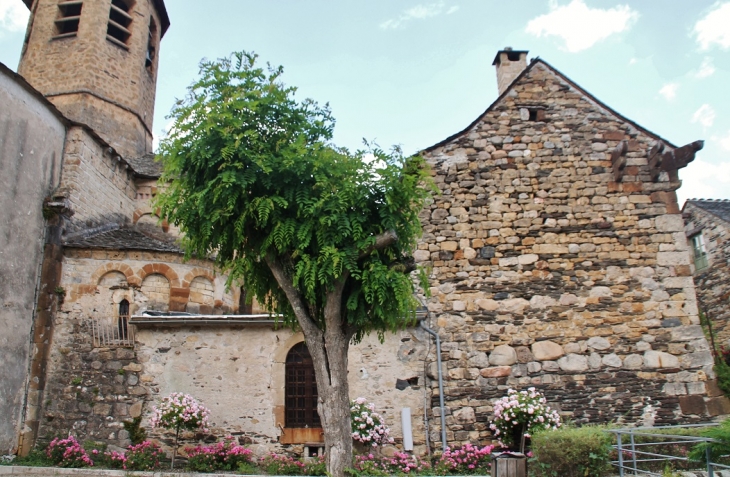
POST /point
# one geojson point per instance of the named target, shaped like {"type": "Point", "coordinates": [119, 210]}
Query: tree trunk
{"type": "Point", "coordinates": [328, 348]}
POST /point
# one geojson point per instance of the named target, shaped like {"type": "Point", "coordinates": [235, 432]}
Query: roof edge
{"type": "Point", "coordinates": [565, 78]}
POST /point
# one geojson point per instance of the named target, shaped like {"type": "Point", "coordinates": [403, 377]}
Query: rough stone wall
{"type": "Point", "coordinates": [547, 273]}
{"type": "Point", "coordinates": [712, 283]}
{"type": "Point", "coordinates": [99, 188]}
{"type": "Point", "coordinates": [89, 70]}
{"type": "Point", "coordinates": [92, 387]}
{"type": "Point", "coordinates": [31, 147]}
{"type": "Point", "coordinates": [239, 375]}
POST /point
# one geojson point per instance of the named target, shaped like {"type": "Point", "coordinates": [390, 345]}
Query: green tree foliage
{"type": "Point", "coordinates": [320, 235]}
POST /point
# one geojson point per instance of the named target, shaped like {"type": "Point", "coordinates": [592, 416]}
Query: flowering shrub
{"type": "Point", "coordinates": [116, 459]}
{"type": "Point", "coordinates": [400, 463]}
{"type": "Point", "coordinates": [224, 455]}
{"type": "Point", "coordinates": [525, 411]}
{"type": "Point", "coordinates": [367, 425]}
{"type": "Point", "coordinates": [315, 466]}
{"type": "Point", "coordinates": [68, 453]}
{"type": "Point", "coordinates": [282, 465]}
{"type": "Point", "coordinates": [180, 411]}
{"type": "Point", "coordinates": [144, 456]}
{"type": "Point", "coordinates": [466, 460]}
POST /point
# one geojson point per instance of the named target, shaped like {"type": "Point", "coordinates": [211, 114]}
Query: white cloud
{"type": "Point", "coordinates": [669, 91]}
{"type": "Point", "coordinates": [724, 141]}
{"type": "Point", "coordinates": [419, 12]}
{"type": "Point", "coordinates": [713, 28]}
{"type": "Point", "coordinates": [705, 116]}
{"type": "Point", "coordinates": [702, 179]}
{"type": "Point", "coordinates": [706, 68]}
{"type": "Point", "coordinates": [579, 26]}
{"type": "Point", "coordinates": [13, 15]}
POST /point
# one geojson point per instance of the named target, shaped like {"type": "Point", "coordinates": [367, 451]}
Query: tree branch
{"type": "Point", "coordinates": [309, 327]}
{"type": "Point", "coordinates": [382, 241]}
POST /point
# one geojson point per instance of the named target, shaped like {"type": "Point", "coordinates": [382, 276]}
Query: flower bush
{"type": "Point", "coordinates": [367, 425]}
{"type": "Point", "coordinates": [525, 411]}
{"type": "Point", "coordinates": [224, 455]}
{"type": "Point", "coordinates": [178, 412]}
{"type": "Point", "coordinates": [400, 463]}
{"type": "Point", "coordinates": [275, 464]}
{"type": "Point", "coordinates": [68, 453]}
{"type": "Point", "coordinates": [143, 456]}
{"type": "Point", "coordinates": [466, 460]}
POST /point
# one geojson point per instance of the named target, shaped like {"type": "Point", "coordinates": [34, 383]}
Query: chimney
{"type": "Point", "coordinates": [510, 63]}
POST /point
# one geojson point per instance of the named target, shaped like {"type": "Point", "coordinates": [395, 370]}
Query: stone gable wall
{"type": "Point", "coordinates": [100, 188]}
{"type": "Point", "coordinates": [713, 286]}
{"type": "Point", "coordinates": [546, 272]}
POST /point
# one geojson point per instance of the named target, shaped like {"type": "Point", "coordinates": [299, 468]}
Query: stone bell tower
{"type": "Point", "coordinates": [96, 61]}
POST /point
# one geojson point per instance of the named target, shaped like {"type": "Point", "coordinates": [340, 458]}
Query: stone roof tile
{"type": "Point", "coordinates": [719, 207]}
{"type": "Point", "coordinates": [146, 166]}
{"type": "Point", "coordinates": [127, 238]}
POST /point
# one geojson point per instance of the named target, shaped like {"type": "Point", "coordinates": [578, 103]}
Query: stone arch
{"type": "Point", "coordinates": [157, 291]}
{"type": "Point", "coordinates": [197, 272]}
{"type": "Point", "coordinates": [160, 269]}
{"type": "Point", "coordinates": [113, 278]}
{"type": "Point", "coordinates": [115, 267]}
{"type": "Point", "coordinates": [145, 213]}
{"type": "Point", "coordinates": [202, 295]}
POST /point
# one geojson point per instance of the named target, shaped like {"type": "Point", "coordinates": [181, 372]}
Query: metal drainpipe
{"type": "Point", "coordinates": [441, 383]}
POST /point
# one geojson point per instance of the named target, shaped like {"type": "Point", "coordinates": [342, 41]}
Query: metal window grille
{"type": "Point", "coordinates": [114, 333]}
{"type": "Point", "coordinates": [300, 389]}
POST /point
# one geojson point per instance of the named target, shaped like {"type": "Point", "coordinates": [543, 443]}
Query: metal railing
{"type": "Point", "coordinates": [110, 333]}
{"type": "Point", "coordinates": [646, 452]}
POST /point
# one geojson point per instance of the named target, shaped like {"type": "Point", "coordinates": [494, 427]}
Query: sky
{"type": "Point", "coordinates": [413, 72]}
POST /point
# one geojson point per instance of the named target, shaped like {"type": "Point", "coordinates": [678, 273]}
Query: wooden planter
{"type": "Point", "coordinates": [509, 465]}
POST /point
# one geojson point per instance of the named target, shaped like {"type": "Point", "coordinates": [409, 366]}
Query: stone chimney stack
{"type": "Point", "coordinates": [510, 63]}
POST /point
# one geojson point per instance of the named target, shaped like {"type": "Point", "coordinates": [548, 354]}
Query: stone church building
{"type": "Point", "coordinates": [556, 252]}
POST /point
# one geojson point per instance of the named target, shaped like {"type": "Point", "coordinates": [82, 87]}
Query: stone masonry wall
{"type": "Point", "coordinates": [237, 372]}
{"type": "Point", "coordinates": [92, 387]}
{"type": "Point", "coordinates": [548, 273]}
{"type": "Point", "coordinates": [88, 64]}
{"type": "Point", "coordinates": [712, 283]}
{"type": "Point", "coordinates": [100, 188]}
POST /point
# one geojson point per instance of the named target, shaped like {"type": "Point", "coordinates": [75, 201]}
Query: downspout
{"type": "Point", "coordinates": [441, 383]}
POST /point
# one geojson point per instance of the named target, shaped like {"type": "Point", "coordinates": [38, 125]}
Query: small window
{"type": "Point", "coordinates": [537, 114]}
{"type": "Point", "coordinates": [699, 251]}
{"type": "Point", "coordinates": [120, 21]}
{"type": "Point", "coordinates": [69, 14]}
{"type": "Point", "coordinates": [300, 389]}
{"type": "Point", "coordinates": [123, 320]}
{"type": "Point", "coordinates": [151, 46]}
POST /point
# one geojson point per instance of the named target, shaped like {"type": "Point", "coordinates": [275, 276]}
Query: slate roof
{"type": "Point", "coordinates": [719, 207]}
{"type": "Point", "coordinates": [586, 94]}
{"type": "Point", "coordinates": [146, 166]}
{"type": "Point", "coordinates": [126, 238]}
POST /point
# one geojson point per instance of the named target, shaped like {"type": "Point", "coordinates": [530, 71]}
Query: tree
{"type": "Point", "coordinates": [322, 237]}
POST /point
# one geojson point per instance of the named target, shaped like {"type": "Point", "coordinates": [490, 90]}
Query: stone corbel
{"type": "Point", "coordinates": [618, 160]}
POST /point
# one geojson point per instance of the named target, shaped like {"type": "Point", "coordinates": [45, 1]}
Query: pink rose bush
{"type": "Point", "coordinates": [401, 463]}
{"type": "Point", "coordinates": [524, 410]}
{"type": "Point", "coordinates": [143, 456]}
{"type": "Point", "coordinates": [177, 412]}
{"type": "Point", "coordinates": [465, 460]}
{"type": "Point", "coordinates": [224, 455]}
{"type": "Point", "coordinates": [68, 453]}
{"type": "Point", "coordinates": [367, 425]}
{"type": "Point", "coordinates": [180, 411]}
